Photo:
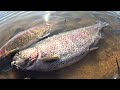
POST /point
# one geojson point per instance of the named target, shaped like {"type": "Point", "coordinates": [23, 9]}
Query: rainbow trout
{"type": "Point", "coordinates": [60, 50]}
{"type": "Point", "coordinates": [26, 38]}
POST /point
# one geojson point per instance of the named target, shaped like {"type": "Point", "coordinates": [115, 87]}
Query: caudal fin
{"type": "Point", "coordinates": [104, 24]}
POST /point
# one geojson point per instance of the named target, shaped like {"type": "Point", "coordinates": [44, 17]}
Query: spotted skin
{"type": "Point", "coordinates": [68, 46]}
{"type": "Point", "coordinates": [26, 38]}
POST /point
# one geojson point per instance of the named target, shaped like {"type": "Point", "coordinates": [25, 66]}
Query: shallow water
{"type": "Point", "coordinates": [98, 64]}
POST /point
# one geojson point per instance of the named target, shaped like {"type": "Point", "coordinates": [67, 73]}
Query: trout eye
{"type": "Point", "coordinates": [18, 54]}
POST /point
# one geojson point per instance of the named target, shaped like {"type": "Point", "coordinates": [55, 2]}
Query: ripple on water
{"type": "Point", "coordinates": [97, 64]}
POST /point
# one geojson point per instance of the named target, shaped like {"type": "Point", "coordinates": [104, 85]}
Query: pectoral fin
{"type": "Point", "coordinates": [46, 35]}
{"type": "Point", "coordinates": [11, 52]}
{"type": "Point", "coordinates": [43, 37]}
{"type": "Point", "coordinates": [8, 53]}
{"type": "Point", "coordinates": [51, 59]}
{"type": "Point", "coordinates": [94, 48]}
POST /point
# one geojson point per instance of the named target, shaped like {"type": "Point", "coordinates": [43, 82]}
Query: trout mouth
{"type": "Point", "coordinates": [13, 63]}
{"type": "Point", "coordinates": [20, 63]}
{"type": "Point", "coordinates": [23, 65]}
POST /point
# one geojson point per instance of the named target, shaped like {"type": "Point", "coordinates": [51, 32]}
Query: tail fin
{"type": "Point", "coordinates": [104, 24]}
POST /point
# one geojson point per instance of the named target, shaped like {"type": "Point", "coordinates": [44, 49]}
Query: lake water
{"type": "Point", "coordinates": [98, 64]}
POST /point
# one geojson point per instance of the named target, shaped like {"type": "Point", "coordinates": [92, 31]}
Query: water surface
{"type": "Point", "coordinates": [98, 64]}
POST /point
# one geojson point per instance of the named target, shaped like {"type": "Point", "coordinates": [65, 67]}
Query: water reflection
{"type": "Point", "coordinates": [97, 64]}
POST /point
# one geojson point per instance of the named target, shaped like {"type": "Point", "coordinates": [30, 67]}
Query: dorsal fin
{"type": "Point", "coordinates": [18, 30]}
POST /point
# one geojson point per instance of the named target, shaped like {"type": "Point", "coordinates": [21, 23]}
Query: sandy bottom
{"type": "Point", "coordinates": [98, 64]}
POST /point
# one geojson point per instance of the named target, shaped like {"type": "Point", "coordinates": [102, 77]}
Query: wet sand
{"type": "Point", "coordinates": [98, 64]}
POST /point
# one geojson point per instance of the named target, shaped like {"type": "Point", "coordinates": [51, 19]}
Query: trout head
{"type": "Point", "coordinates": [25, 58]}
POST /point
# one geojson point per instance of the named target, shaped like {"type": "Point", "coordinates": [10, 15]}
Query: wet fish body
{"type": "Point", "coordinates": [27, 37]}
{"type": "Point", "coordinates": [66, 46]}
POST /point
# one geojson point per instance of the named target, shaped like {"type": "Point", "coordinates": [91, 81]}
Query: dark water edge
{"type": "Point", "coordinates": [98, 64]}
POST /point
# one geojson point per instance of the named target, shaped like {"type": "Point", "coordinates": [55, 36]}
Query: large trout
{"type": "Point", "coordinates": [59, 50]}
